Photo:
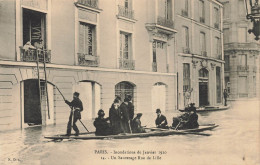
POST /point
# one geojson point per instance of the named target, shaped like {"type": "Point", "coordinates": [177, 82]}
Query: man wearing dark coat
{"type": "Point", "coordinates": [136, 124]}
{"type": "Point", "coordinates": [225, 94]}
{"type": "Point", "coordinates": [101, 124]}
{"type": "Point", "coordinates": [125, 119]}
{"type": "Point", "coordinates": [115, 117]}
{"type": "Point", "coordinates": [161, 121]}
{"type": "Point", "coordinates": [76, 108]}
{"type": "Point", "coordinates": [130, 107]}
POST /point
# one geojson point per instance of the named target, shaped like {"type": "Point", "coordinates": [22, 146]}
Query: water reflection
{"type": "Point", "coordinates": [235, 141]}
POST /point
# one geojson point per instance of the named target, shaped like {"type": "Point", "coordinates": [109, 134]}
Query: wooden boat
{"type": "Point", "coordinates": [209, 108]}
{"type": "Point", "coordinates": [150, 132]}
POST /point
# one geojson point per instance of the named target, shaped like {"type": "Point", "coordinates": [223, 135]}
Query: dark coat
{"type": "Point", "coordinates": [124, 118]}
{"type": "Point", "coordinates": [102, 127]}
{"type": "Point", "coordinates": [192, 121]}
{"type": "Point", "coordinates": [137, 126]}
{"type": "Point", "coordinates": [131, 109]}
{"type": "Point", "coordinates": [77, 105]}
{"type": "Point", "coordinates": [160, 120]}
{"type": "Point", "coordinates": [115, 119]}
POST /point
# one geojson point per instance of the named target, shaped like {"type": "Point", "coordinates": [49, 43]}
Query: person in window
{"type": "Point", "coordinates": [38, 44]}
{"type": "Point", "coordinates": [76, 108]}
{"type": "Point", "coordinates": [102, 126]}
{"type": "Point", "coordinates": [136, 124]}
{"type": "Point", "coordinates": [115, 117]}
{"type": "Point", "coordinates": [225, 95]}
{"type": "Point", "coordinates": [161, 121]}
{"type": "Point", "coordinates": [28, 46]}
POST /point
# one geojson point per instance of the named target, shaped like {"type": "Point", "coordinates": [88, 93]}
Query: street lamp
{"type": "Point", "coordinates": [253, 13]}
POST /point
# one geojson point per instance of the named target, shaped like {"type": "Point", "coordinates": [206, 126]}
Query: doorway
{"type": "Point", "coordinates": [203, 94]}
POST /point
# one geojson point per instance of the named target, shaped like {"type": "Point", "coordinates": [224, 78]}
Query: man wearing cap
{"type": "Point", "coordinates": [136, 124]}
{"type": "Point", "coordinates": [101, 124]}
{"type": "Point", "coordinates": [161, 121]}
{"type": "Point", "coordinates": [76, 108]}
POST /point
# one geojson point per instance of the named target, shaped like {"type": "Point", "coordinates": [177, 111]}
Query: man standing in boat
{"type": "Point", "coordinates": [115, 117]}
{"type": "Point", "coordinates": [125, 119]}
{"type": "Point", "coordinates": [76, 108]}
{"type": "Point", "coordinates": [161, 121]}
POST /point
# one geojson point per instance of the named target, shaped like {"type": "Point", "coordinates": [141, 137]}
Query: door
{"type": "Point", "coordinates": [203, 93]}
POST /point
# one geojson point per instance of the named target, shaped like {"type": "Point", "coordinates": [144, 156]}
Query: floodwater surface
{"type": "Point", "coordinates": [234, 142]}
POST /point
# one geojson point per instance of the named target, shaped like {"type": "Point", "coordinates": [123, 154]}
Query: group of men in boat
{"type": "Point", "coordinates": [121, 118]}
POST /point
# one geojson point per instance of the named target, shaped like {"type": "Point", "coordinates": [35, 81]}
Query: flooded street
{"type": "Point", "coordinates": [234, 142]}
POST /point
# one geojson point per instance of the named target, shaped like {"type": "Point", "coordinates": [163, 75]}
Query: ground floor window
{"type": "Point", "coordinates": [124, 89]}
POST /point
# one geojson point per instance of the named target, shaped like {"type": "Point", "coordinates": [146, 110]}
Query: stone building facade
{"type": "Point", "coordinates": [200, 52]}
{"type": "Point", "coordinates": [241, 52]}
{"type": "Point", "coordinates": [100, 48]}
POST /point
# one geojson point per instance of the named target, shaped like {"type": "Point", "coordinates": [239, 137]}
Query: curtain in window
{"type": "Point", "coordinates": [86, 39]}
{"type": "Point", "coordinates": [124, 45]}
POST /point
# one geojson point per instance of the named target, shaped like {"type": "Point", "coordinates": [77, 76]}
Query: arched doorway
{"type": "Point", "coordinates": [203, 87]}
{"type": "Point", "coordinates": [90, 95]}
{"type": "Point", "coordinates": [159, 96]}
{"type": "Point", "coordinates": [125, 88]}
{"type": "Point", "coordinates": [35, 107]}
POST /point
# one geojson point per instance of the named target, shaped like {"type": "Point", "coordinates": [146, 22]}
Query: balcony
{"type": "Point", "coordinates": [202, 20]}
{"type": "Point", "coordinates": [154, 66]}
{"type": "Point", "coordinates": [186, 50]}
{"type": "Point", "coordinates": [216, 25]}
{"type": "Point", "coordinates": [184, 13]}
{"type": "Point", "coordinates": [204, 53]}
{"type": "Point", "coordinates": [125, 12]}
{"type": "Point", "coordinates": [88, 3]}
{"type": "Point", "coordinates": [31, 55]}
{"type": "Point", "coordinates": [126, 64]}
{"type": "Point", "coordinates": [166, 22]}
{"type": "Point", "coordinates": [242, 68]}
{"type": "Point", "coordinates": [88, 60]}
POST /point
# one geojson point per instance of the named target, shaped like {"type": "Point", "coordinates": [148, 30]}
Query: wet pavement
{"type": "Point", "coordinates": [234, 142]}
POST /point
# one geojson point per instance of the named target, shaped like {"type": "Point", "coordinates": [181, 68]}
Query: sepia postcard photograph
{"type": "Point", "coordinates": [123, 82]}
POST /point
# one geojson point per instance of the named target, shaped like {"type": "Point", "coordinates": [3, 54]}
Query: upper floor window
{"type": "Point", "coordinates": [226, 35]}
{"type": "Point", "coordinates": [242, 59]}
{"type": "Point", "coordinates": [126, 59]}
{"type": "Point", "coordinates": [226, 10]}
{"type": "Point", "coordinates": [164, 9]}
{"type": "Point", "coordinates": [216, 18]}
{"type": "Point", "coordinates": [186, 77]}
{"type": "Point", "coordinates": [186, 37]}
{"type": "Point", "coordinates": [125, 9]}
{"type": "Point", "coordinates": [87, 39]}
{"type": "Point", "coordinates": [227, 63]}
{"type": "Point", "coordinates": [241, 8]}
{"type": "Point", "coordinates": [202, 11]}
{"type": "Point", "coordinates": [218, 48]}
{"type": "Point", "coordinates": [242, 34]}
{"type": "Point", "coordinates": [89, 3]}
{"type": "Point", "coordinates": [203, 43]}
{"type": "Point", "coordinates": [185, 10]}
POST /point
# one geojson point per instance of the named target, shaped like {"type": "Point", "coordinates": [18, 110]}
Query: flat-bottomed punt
{"type": "Point", "coordinates": [209, 108]}
{"type": "Point", "coordinates": [150, 132]}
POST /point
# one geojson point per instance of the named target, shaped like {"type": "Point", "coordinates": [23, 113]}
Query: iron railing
{"type": "Point", "coordinates": [126, 64]}
{"type": "Point", "coordinates": [242, 68]}
{"type": "Point", "coordinates": [88, 60]}
{"type": "Point", "coordinates": [166, 22]}
{"type": "Point", "coordinates": [125, 12]}
{"type": "Point", "coordinates": [89, 3]}
{"type": "Point", "coordinates": [30, 55]}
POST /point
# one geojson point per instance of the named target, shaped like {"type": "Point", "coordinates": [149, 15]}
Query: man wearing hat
{"type": "Point", "coordinates": [190, 119]}
{"type": "Point", "coordinates": [38, 43]}
{"type": "Point", "coordinates": [161, 121]}
{"type": "Point", "coordinates": [125, 119]}
{"type": "Point", "coordinates": [76, 108]}
{"type": "Point", "coordinates": [136, 124]}
{"type": "Point", "coordinates": [101, 124]}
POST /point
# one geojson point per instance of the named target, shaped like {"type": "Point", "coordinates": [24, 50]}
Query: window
{"type": "Point", "coordinates": [202, 11]}
{"type": "Point", "coordinates": [186, 36]}
{"type": "Point", "coordinates": [217, 49]}
{"type": "Point", "coordinates": [226, 10]}
{"type": "Point", "coordinates": [242, 59]}
{"type": "Point", "coordinates": [159, 56]}
{"type": "Point", "coordinates": [186, 77]}
{"type": "Point", "coordinates": [226, 35]}
{"type": "Point", "coordinates": [185, 9]}
{"type": "Point", "coordinates": [216, 18]}
{"type": "Point", "coordinates": [218, 84]}
{"type": "Point", "coordinates": [241, 8]}
{"type": "Point", "coordinates": [164, 8]}
{"type": "Point", "coordinates": [87, 39]}
{"type": "Point", "coordinates": [227, 63]}
{"type": "Point", "coordinates": [202, 42]}
{"type": "Point", "coordinates": [242, 83]}
{"type": "Point", "coordinates": [242, 34]}
{"type": "Point", "coordinates": [125, 45]}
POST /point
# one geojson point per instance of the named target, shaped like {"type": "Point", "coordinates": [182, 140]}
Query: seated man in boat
{"type": "Point", "coordinates": [101, 124]}
{"type": "Point", "coordinates": [192, 120]}
{"type": "Point", "coordinates": [161, 121]}
{"type": "Point", "coordinates": [136, 124]}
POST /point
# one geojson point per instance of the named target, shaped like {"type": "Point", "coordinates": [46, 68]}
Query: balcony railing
{"type": "Point", "coordinates": [89, 3]}
{"type": "Point", "coordinates": [186, 50]}
{"type": "Point", "coordinates": [126, 64]}
{"type": "Point", "coordinates": [88, 60]}
{"type": "Point", "coordinates": [165, 22]}
{"type": "Point", "coordinates": [154, 66]}
{"type": "Point", "coordinates": [30, 55]}
{"type": "Point", "coordinates": [184, 13]}
{"type": "Point", "coordinates": [216, 25]}
{"type": "Point", "coordinates": [242, 68]}
{"type": "Point", "coordinates": [202, 19]}
{"type": "Point", "coordinates": [125, 12]}
{"type": "Point", "coordinates": [204, 53]}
